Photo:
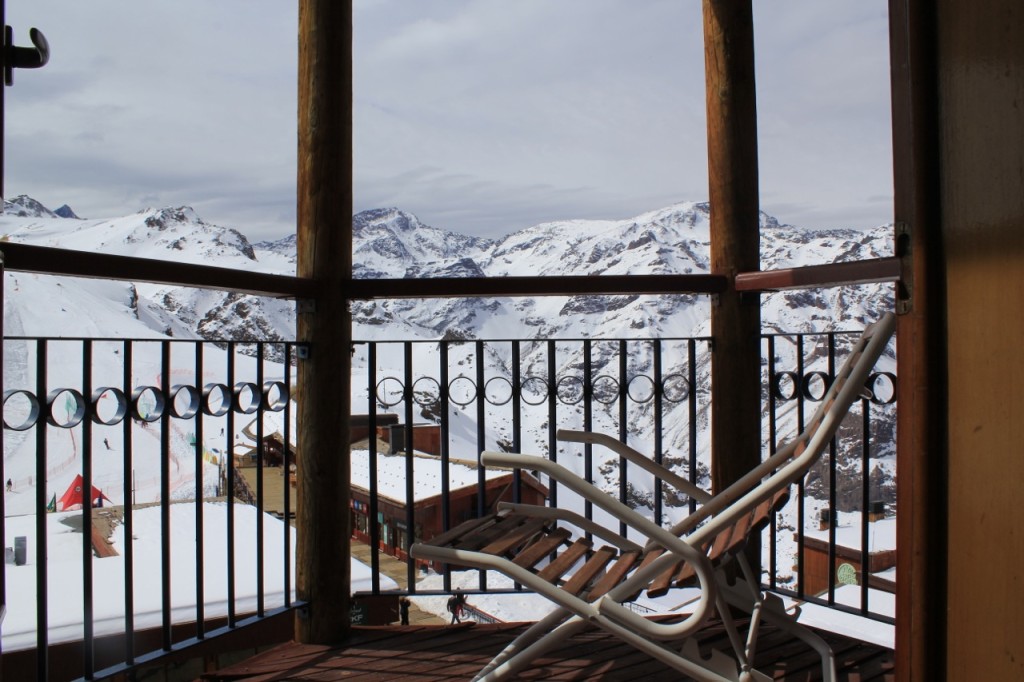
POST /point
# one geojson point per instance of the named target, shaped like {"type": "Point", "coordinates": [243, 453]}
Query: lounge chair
{"type": "Point", "coordinates": [547, 550]}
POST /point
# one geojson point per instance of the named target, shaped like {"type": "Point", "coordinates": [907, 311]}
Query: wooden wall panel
{"type": "Point", "coordinates": [981, 111]}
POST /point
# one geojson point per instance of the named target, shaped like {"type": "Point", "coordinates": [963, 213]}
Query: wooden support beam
{"type": "Point", "coordinates": [735, 238]}
{"type": "Point", "coordinates": [829, 275]}
{"type": "Point", "coordinates": [922, 442]}
{"type": "Point", "coordinates": [323, 573]}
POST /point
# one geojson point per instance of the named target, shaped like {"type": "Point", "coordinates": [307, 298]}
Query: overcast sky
{"type": "Point", "coordinates": [479, 116]}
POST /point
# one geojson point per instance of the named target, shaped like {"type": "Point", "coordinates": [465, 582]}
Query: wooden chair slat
{"type": "Point", "coordinates": [663, 583]}
{"type": "Point", "coordinates": [595, 564]}
{"type": "Point", "coordinates": [566, 560]}
{"type": "Point", "coordinates": [615, 573]}
{"type": "Point", "coordinates": [541, 547]}
{"type": "Point", "coordinates": [515, 538]}
{"type": "Point", "coordinates": [453, 534]}
{"type": "Point", "coordinates": [487, 534]}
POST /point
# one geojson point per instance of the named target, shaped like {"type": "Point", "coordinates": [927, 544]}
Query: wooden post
{"type": "Point", "coordinates": [735, 238]}
{"type": "Point", "coordinates": [921, 438]}
{"type": "Point", "coordinates": [324, 377]}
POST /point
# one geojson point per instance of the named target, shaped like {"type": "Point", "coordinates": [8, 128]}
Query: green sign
{"type": "Point", "coordinates": [357, 614]}
{"type": "Point", "coordinates": [846, 574]}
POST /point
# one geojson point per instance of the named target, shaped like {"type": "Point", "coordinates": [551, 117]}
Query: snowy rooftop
{"type": "Point", "coordinates": [426, 475]}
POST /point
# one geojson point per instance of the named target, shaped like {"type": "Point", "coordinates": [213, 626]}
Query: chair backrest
{"type": "Point", "coordinates": [794, 459]}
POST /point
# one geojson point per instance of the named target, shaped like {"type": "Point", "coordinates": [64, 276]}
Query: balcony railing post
{"type": "Point", "coordinates": [324, 256]}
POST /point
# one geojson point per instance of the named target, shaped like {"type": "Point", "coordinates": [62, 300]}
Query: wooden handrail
{"type": "Point", "coordinates": [615, 285]}
{"type": "Point", "coordinates": [830, 275]}
{"type": "Point", "coordinates": [53, 261]}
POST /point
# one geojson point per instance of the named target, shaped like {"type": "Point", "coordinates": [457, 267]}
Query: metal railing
{"type": "Point", "coordinates": [151, 427]}
{"type": "Point", "coordinates": [154, 422]}
{"type": "Point", "coordinates": [653, 394]}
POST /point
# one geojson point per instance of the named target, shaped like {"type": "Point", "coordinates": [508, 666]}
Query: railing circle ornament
{"type": "Point", "coordinates": [570, 389]}
{"type": "Point", "coordinates": [605, 389]}
{"type": "Point", "coordinates": [675, 388]}
{"type": "Point", "coordinates": [893, 388]}
{"type": "Point", "coordinates": [74, 406]}
{"type": "Point", "coordinates": [147, 404]}
{"type": "Point", "coordinates": [462, 390]}
{"type": "Point", "coordinates": [245, 397]}
{"type": "Point", "coordinates": [424, 397]}
{"type": "Point", "coordinates": [808, 382]}
{"type": "Point", "coordinates": [216, 400]}
{"type": "Point", "coordinates": [185, 401]}
{"type": "Point", "coordinates": [641, 389]}
{"type": "Point", "coordinates": [31, 410]}
{"type": "Point", "coordinates": [390, 391]}
{"type": "Point", "coordinates": [535, 390]}
{"type": "Point", "coordinates": [780, 382]}
{"type": "Point", "coordinates": [498, 391]}
{"type": "Point", "coordinates": [275, 396]}
{"type": "Point", "coordinates": [98, 406]}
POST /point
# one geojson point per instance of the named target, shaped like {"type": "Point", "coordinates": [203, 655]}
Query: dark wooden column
{"type": "Point", "coordinates": [921, 441]}
{"type": "Point", "coordinates": [735, 238]}
{"type": "Point", "coordinates": [324, 378]}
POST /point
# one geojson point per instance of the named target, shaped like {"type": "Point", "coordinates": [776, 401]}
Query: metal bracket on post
{"type": "Point", "coordinates": [24, 57]}
{"type": "Point", "coordinates": [905, 285]}
{"type": "Point", "coordinates": [305, 306]}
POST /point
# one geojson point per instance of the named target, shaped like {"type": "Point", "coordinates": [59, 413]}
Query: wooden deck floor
{"type": "Point", "coordinates": [444, 654]}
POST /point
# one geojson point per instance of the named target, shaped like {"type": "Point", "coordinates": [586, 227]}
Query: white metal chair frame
{"type": "Point", "coordinates": [684, 540]}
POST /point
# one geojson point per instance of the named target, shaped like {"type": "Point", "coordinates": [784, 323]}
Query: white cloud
{"type": "Point", "coordinates": [481, 116]}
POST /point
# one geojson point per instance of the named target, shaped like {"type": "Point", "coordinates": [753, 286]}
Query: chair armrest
{"type": "Point", "coordinates": [631, 455]}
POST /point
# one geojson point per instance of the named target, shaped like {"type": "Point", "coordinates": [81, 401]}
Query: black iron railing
{"type": "Point", "coordinates": [653, 394]}
{"type": "Point", "coordinates": [154, 422]}
{"type": "Point", "coordinates": [147, 425]}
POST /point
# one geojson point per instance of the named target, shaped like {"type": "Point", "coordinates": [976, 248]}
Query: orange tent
{"type": "Point", "coordinates": [72, 497]}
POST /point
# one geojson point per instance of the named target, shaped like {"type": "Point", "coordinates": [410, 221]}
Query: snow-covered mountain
{"type": "Point", "coordinates": [393, 243]}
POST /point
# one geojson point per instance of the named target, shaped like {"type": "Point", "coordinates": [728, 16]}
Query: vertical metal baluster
{"type": "Point", "coordinates": [42, 596]}
{"type": "Point", "coordinates": [128, 488]}
{"type": "Point", "coordinates": [287, 503]}
{"type": "Point", "coordinates": [199, 347]}
{"type": "Point", "coordinates": [260, 454]}
{"type": "Point", "coordinates": [588, 425]}
{"type": "Point", "coordinates": [832, 482]}
{"type": "Point", "coordinates": [165, 495]}
{"type": "Point", "coordinates": [658, 440]}
{"type": "Point", "coordinates": [481, 429]}
{"type": "Point", "coordinates": [89, 663]}
{"type": "Point", "coordinates": [691, 413]}
{"type": "Point", "coordinates": [372, 517]}
{"type": "Point", "coordinates": [446, 501]}
{"type": "Point", "coordinates": [481, 442]}
{"type": "Point", "coordinates": [410, 473]}
{"type": "Point", "coordinates": [623, 426]}
{"type": "Point", "coordinates": [798, 393]}
{"type": "Point", "coordinates": [517, 419]}
{"type": "Point", "coordinates": [552, 418]}
{"type": "Point", "coordinates": [230, 430]}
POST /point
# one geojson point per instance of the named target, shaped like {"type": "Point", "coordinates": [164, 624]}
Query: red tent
{"type": "Point", "coordinates": [72, 497]}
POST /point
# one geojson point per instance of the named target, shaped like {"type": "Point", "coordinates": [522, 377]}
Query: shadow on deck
{"type": "Point", "coordinates": [440, 654]}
